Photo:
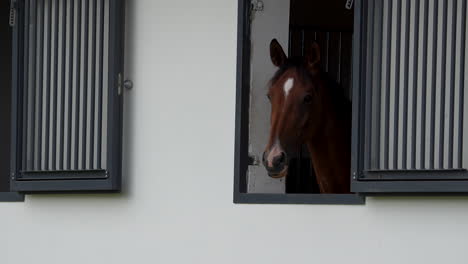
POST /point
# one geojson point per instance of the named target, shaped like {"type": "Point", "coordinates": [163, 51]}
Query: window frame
{"type": "Point", "coordinates": [111, 181]}
{"type": "Point", "coordinates": [241, 159]}
{"type": "Point", "coordinates": [11, 196]}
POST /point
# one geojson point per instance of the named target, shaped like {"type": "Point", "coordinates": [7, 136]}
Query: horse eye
{"type": "Point", "coordinates": [269, 97]}
{"type": "Point", "coordinates": [307, 99]}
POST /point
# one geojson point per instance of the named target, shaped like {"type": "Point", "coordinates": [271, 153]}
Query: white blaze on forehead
{"type": "Point", "coordinates": [288, 84]}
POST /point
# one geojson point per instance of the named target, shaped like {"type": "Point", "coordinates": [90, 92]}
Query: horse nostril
{"type": "Point", "coordinates": [279, 160]}
{"type": "Point", "coordinates": [282, 157]}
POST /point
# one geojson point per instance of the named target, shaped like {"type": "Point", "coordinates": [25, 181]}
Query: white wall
{"type": "Point", "coordinates": [179, 151]}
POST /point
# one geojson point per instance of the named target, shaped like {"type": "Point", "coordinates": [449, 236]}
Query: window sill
{"type": "Point", "coordinates": [338, 199]}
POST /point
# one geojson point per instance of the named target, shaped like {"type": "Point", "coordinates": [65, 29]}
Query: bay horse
{"type": "Point", "coordinates": [308, 108]}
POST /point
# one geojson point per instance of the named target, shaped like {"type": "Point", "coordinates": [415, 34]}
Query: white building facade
{"type": "Point", "coordinates": [177, 206]}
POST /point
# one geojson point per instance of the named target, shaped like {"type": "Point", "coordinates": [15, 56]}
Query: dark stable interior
{"type": "Point", "coordinates": [329, 24]}
{"type": "Point", "coordinates": [5, 95]}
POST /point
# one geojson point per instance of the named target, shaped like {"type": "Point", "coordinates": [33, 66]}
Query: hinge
{"type": "Point", "coordinates": [256, 6]}
{"type": "Point", "coordinates": [12, 13]}
{"type": "Point", "coordinates": [349, 4]}
{"type": "Point", "coordinates": [119, 84]}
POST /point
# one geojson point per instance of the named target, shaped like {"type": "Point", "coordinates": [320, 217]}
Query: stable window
{"type": "Point", "coordinates": [406, 81]}
{"type": "Point", "coordinates": [270, 31]}
{"type": "Point", "coordinates": [66, 97]}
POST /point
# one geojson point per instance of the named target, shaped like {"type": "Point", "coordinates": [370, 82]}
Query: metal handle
{"type": "Point", "coordinates": [128, 84]}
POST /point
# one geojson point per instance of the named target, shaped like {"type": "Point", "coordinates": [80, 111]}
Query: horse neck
{"type": "Point", "coordinates": [330, 154]}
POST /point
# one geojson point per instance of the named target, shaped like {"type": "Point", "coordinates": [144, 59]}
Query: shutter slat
{"type": "Point", "coordinates": [451, 129]}
{"type": "Point", "coordinates": [48, 77]}
{"type": "Point", "coordinates": [386, 156]}
{"type": "Point", "coordinates": [405, 101]}
{"type": "Point", "coordinates": [368, 22]}
{"type": "Point", "coordinates": [93, 85]}
{"type": "Point", "coordinates": [40, 68]}
{"type": "Point", "coordinates": [424, 91]}
{"type": "Point", "coordinates": [71, 88]}
{"type": "Point", "coordinates": [77, 86]}
{"type": "Point", "coordinates": [415, 85]}
{"type": "Point", "coordinates": [63, 38]}
{"type": "Point", "coordinates": [442, 89]}
{"type": "Point", "coordinates": [100, 84]}
{"type": "Point", "coordinates": [55, 88]}
{"type": "Point", "coordinates": [32, 86]}
{"type": "Point", "coordinates": [461, 95]}
{"type": "Point", "coordinates": [24, 149]}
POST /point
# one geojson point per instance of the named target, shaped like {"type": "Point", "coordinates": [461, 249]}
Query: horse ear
{"type": "Point", "coordinates": [277, 55]}
{"type": "Point", "coordinates": [313, 57]}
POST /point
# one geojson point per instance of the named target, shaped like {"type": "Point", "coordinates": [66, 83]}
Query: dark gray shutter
{"type": "Point", "coordinates": [68, 95]}
{"type": "Point", "coordinates": [409, 98]}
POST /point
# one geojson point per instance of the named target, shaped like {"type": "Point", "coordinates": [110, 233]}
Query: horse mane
{"type": "Point", "coordinates": [340, 102]}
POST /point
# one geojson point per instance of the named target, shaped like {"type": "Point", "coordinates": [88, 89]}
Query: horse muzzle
{"type": "Point", "coordinates": [276, 165]}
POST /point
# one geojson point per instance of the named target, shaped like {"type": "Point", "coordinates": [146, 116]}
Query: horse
{"type": "Point", "coordinates": [308, 108]}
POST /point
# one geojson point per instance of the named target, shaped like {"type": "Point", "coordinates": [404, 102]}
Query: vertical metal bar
{"type": "Point", "coordinates": [62, 94]}
{"type": "Point", "coordinates": [339, 59]}
{"type": "Point", "coordinates": [387, 91]}
{"type": "Point", "coordinates": [369, 40]}
{"type": "Point", "coordinates": [25, 106]}
{"type": "Point", "coordinates": [56, 73]}
{"type": "Point", "coordinates": [93, 85]}
{"type": "Point", "coordinates": [405, 101]}
{"type": "Point", "coordinates": [424, 84]}
{"type": "Point", "coordinates": [378, 90]}
{"type": "Point", "coordinates": [70, 84]}
{"type": "Point", "coordinates": [396, 120]}
{"type": "Point", "coordinates": [48, 84]}
{"type": "Point", "coordinates": [302, 42]}
{"type": "Point", "coordinates": [328, 50]}
{"type": "Point", "coordinates": [100, 84]}
{"type": "Point", "coordinates": [34, 86]}
{"type": "Point", "coordinates": [451, 132]}
{"type": "Point", "coordinates": [78, 84]}
{"type": "Point", "coordinates": [443, 86]}
{"type": "Point", "coordinates": [415, 84]}
{"type": "Point", "coordinates": [433, 88]}
{"type": "Point", "coordinates": [461, 85]}
{"type": "Point", "coordinates": [40, 66]}
{"type": "Point", "coordinates": [84, 150]}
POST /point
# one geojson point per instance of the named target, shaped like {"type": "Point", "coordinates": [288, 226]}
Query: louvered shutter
{"type": "Point", "coordinates": [67, 95]}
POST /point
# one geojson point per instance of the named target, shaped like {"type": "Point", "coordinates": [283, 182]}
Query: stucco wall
{"type": "Point", "coordinates": [179, 150]}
